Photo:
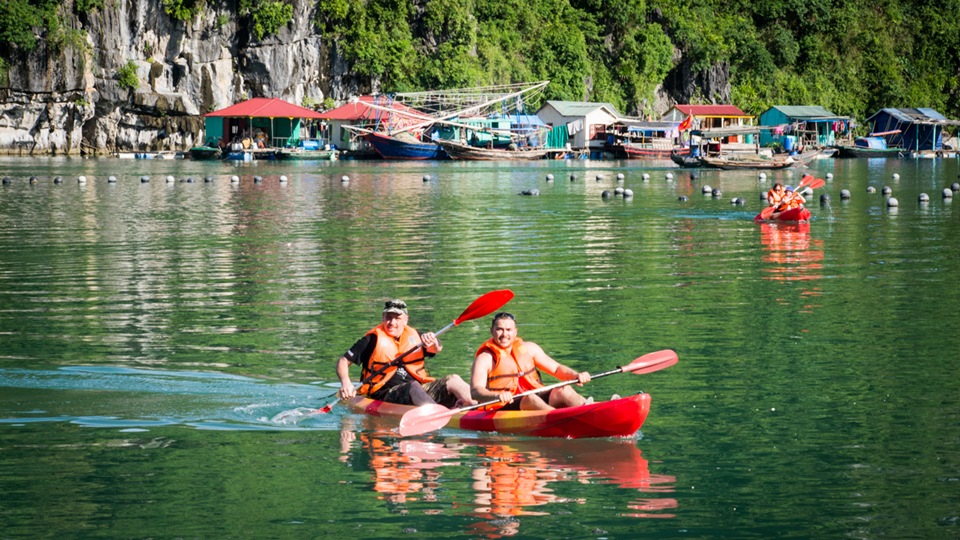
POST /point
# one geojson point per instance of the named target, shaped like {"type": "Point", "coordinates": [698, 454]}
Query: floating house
{"type": "Point", "coordinates": [366, 113]}
{"type": "Point", "coordinates": [262, 123]}
{"type": "Point", "coordinates": [807, 125]}
{"type": "Point", "coordinates": [914, 130]}
{"type": "Point", "coordinates": [709, 116]}
{"type": "Point", "coordinates": [579, 124]}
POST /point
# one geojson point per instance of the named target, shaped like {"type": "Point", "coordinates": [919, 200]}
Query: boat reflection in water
{"type": "Point", "coordinates": [504, 478]}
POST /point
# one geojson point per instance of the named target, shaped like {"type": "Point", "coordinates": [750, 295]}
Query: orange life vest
{"type": "Point", "coordinates": [386, 351]}
{"type": "Point", "coordinates": [513, 369]}
{"type": "Point", "coordinates": [774, 197]}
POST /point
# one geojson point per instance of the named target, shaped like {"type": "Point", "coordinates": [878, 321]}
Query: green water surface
{"type": "Point", "coordinates": [150, 331]}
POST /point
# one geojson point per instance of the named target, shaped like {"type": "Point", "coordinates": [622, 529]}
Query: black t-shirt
{"type": "Point", "coordinates": [360, 353]}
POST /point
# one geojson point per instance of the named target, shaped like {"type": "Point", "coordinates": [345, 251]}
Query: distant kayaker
{"type": "Point", "coordinates": [791, 199]}
{"type": "Point", "coordinates": [408, 382]}
{"type": "Point", "coordinates": [506, 365]}
{"type": "Point", "coordinates": [775, 195]}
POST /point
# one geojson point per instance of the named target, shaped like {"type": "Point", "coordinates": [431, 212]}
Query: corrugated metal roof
{"type": "Point", "coordinates": [804, 112]}
{"type": "Point", "coordinates": [581, 108]}
{"type": "Point", "coordinates": [359, 110]}
{"type": "Point", "coordinates": [265, 108]}
{"type": "Point", "coordinates": [711, 110]}
{"type": "Point", "coordinates": [911, 116]}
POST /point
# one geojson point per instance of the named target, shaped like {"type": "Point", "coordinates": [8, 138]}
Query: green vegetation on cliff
{"type": "Point", "coordinates": [853, 57]}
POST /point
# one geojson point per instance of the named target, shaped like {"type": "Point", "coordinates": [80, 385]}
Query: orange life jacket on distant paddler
{"type": "Point", "coordinates": [774, 197]}
{"type": "Point", "coordinates": [388, 349]}
{"type": "Point", "coordinates": [513, 369]}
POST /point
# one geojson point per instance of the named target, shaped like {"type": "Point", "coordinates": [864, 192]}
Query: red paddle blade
{"type": "Point", "coordinates": [424, 419]}
{"type": "Point", "coordinates": [805, 181]}
{"type": "Point", "coordinates": [484, 305]}
{"type": "Point", "coordinates": [818, 183]}
{"type": "Point", "coordinates": [326, 408]}
{"type": "Point", "coordinates": [767, 212]}
{"type": "Point", "coordinates": [651, 362]}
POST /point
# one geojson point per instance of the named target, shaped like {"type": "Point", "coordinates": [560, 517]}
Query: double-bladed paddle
{"type": "Point", "coordinates": [807, 181]}
{"type": "Point", "coordinates": [432, 417]}
{"type": "Point", "coordinates": [482, 306]}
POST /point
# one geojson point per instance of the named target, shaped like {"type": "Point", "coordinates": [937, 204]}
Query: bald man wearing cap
{"type": "Point", "coordinates": [389, 374]}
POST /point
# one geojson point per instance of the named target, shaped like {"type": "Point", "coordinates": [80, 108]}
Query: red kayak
{"type": "Point", "coordinates": [794, 215]}
{"type": "Point", "coordinates": [616, 418]}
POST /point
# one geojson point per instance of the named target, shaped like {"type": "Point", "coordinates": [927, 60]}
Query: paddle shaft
{"type": "Point", "coordinates": [539, 390]}
{"type": "Point", "coordinates": [431, 417]}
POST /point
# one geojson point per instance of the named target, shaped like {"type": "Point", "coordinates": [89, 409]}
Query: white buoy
{"type": "Point", "coordinates": [646, 177]}
{"type": "Point", "coordinates": [426, 178]}
{"type": "Point", "coordinates": [81, 179]}
{"type": "Point", "coordinates": [234, 179]}
{"type": "Point", "coordinates": [892, 201]}
{"type": "Point", "coordinates": [283, 179]}
{"type": "Point", "coordinates": [763, 177]}
{"type": "Point", "coordinates": [112, 179]}
{"type": "Point", "coordinates": [171, 179]}
{"type": "Point", "coordinates": [829, 176]}
{"type": "Point", "coordinates": [706, 189]}
{"type": "Point", "coordinates": [144, 179]}
{"type": "Point", "coordinates": [669, 176]}
{"type": "Point", "coordinates": [549, 178]}
{"type": "Point", "coordinates": [947, 193]}
{"type": "Point", "coordinates": [628, 194]}
{"type": "Point", "coordinates": [896, 176]}
{"type": "Point", "coordinates": [620, 177]}
{"type": "Point", "coordinates": [344, 179]}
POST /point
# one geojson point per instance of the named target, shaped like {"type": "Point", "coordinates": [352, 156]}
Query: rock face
{"type": "Point", "coordinates": [69, 100]}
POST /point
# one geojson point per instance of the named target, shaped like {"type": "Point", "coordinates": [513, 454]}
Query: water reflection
{"type": "Point", "coordinates": [790, 253]}
{"type": "Point", "coordinates": [505, 479]}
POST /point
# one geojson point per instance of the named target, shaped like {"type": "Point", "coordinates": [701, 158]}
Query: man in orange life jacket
{"type": "Point", "coordinates": [406, 382]}
{"type": "Point", "coordinates": [505, 365]}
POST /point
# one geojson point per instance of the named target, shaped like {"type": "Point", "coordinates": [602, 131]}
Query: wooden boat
{"type": "Point", "coordinates": [458, 150]}
{"type": "Point", "coordinates": [868, 147]}
{"type": "Point", "coordinates": [616, 418]}
{"type": "Point", "coordinates": [794, 215]}
{"type": "Point", "coordinates": [735, 162]}
{"type": "Point", "coordinates": [686, 161]}
{"type": "Point", "coordinates": [403, 146]}
{"type": "Point", "coordinates": [303, 154]}
{"type": "Point", "coordinates": [204, 153]}
{"type": "Point", "coordinates": [650, 151]}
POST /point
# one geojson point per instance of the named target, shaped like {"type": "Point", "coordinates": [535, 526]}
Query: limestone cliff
{"type": "Point", "coordinates": [67, 96]}
{"type": "Point", "coordinates": [68, 100]}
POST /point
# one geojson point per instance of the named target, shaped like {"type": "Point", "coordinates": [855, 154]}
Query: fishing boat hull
{"type": "Point", "coordinates": [738, 163]}
{"type": "Point", "coordinates": [393, 148]}
{"type": "Point", "coordinates": [298, 154]}
{"type": "Point", "coordinates": [204, 153]}
{"type": "Point", "coordinates": [638, 151]}
{"type": "Point", "coordinates": [686, 161]}
{"type": "Point", "coordinates": [472, 153]}
{"type": "Point", "coordinates": [794, 215]}
{"type": "Point", "coordinates": [616, 418]}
